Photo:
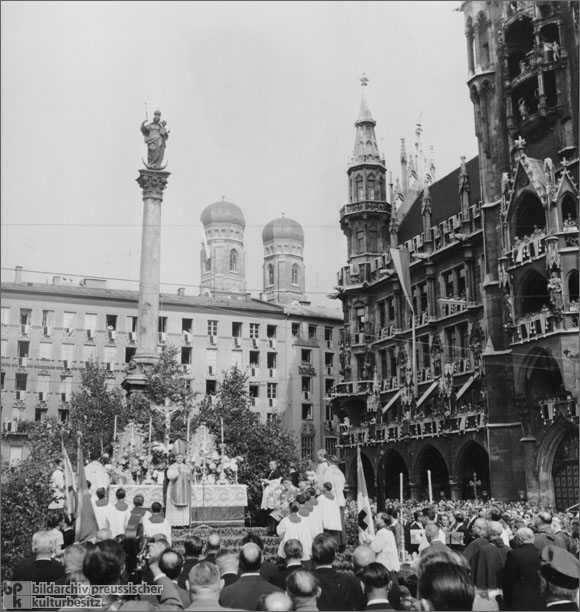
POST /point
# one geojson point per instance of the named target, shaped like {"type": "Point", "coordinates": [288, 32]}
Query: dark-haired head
{"type": "Point", "coordinates": [445, 586]}
{"type": "Point", "coordinates": [324, 549]}
{"type": "Point", "coordinates": [104, 563]}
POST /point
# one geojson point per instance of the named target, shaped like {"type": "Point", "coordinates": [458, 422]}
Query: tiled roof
{"type": "Point", "coordinates": [444, 201]}
{"type": "Point", "coordinates": [303, 310]}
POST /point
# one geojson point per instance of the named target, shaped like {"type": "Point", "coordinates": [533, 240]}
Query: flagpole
{"type": "Point", "coordinates": [414, 336]}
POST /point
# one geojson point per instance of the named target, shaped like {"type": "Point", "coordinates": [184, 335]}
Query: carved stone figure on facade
{"type": "Point", "coordinates": [156, 135]}
{"type": "Point", "coordinates": [507, 310]}
{"type": "Point", "coordinates": [555, 289]}
{"type": "Point", "coordinates": [552, 253]}
{"type": "Point", "coordinates": [523, 108]}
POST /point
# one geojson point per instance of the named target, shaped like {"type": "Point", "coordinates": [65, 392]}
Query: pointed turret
{"type": "Point", "coordinates": [366, 149]}
{"type": "Point", "coordinates": [404, 171]}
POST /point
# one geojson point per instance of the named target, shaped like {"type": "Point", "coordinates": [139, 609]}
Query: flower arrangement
{"type": "Point", "coordinates": [215, 468]}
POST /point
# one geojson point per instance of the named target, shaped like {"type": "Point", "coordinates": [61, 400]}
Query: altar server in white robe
{"type": "Point", "coordinates": [335, 476]}
{"type": "Point", "coordinates": [119, 514]}
{"type": "Point", "coordinates": [178, 492]}
{"type": "Point", "coordinates": [294, 527]}
{"type": "Point", "coordinates": [330, 510]}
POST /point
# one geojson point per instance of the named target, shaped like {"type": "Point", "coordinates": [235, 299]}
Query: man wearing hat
{"type": "Point", "coordinates": [560, 577]}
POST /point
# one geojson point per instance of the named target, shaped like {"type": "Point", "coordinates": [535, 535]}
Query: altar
{"type": "Point", "coordinates": [211, 504]}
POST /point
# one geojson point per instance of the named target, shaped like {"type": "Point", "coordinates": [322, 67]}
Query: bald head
{"type": "Point", "coordinates": [213, 542]}
{"type": "Point", "coordinates": [362, 556]}
{"type": "Point", "coordinates": [495, 529]}
{"type": "Point", "coordinates": [525, 535]}
{"type": "Point", "coordinates": [480, 528]}
{"type": "Point", "coordinates": [275, 602]}
{"type": "Point", "coordinates": [250, 558]}
{"type": "Point", "coordinates": [431, 532]}
{"type": "Point", "coordinates": [302, 587]}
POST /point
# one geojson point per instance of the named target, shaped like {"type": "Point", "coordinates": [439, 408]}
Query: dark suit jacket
{"type": "Point", "coordinates": [187, 565]}
{"type": "Point", "coordinates": [246, 591]}
{"type": "Point", "coordinates": [340, 590]}
{"type": "Point", "coordinates": [487, 565]}
{"type": "Point", "coordinates": [521, 588]}
{"type": "Point", "coordinates": [474, 546]}
{"type": "Point", "coordinates": [279, 579]}
{"type": "Point", "coordinates": [435, 546]}
{"type": "Point", "coordinates": [207, 604]}
{"type": "Point", "coordinates": [567, 605]}
{"type": "Point", "coordinates": [230, 578]}
{"type": "Point", "coordinates": [44, 570]}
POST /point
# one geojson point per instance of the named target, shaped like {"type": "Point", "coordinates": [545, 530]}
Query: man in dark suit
{"type": "Point", "coordinates": [42, 568]}
{"type": "Point", "coordinates": [479, 530]}
{"type": "Point", "coordinates": [302, 588]}
{"type": "Point", "coordinates": [171, 563]}
{"type": "Point", "coordinates": [250, 586]}
{"type": "Point", "coordinates": [193, 547]}
{"type": "Point", "coordinates": [521, 587]}
{"type": "Point", "coordinates": [293, 552]}
{"type": "Point", "coordinates": [272, 478]}
{"type": "Point", "coordinates": [267, 569]}
{"type": "Point", "coordinates": [212, 547]}
{"type": "Point", "coordinates": [434, 544]}
{"type": "Point", "coordinates": [227, 562]}
{"type": "Point", "coordinates": [339, 591]}
{"type": "Point", "coordinates": [376, 580]}
{"type": "Point", "coordinates": [204, 587]}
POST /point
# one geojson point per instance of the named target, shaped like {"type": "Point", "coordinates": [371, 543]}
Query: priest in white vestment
{"type": "Point", "coordinates": [178, 493]}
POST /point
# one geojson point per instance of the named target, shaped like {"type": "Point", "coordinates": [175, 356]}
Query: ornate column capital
{"type": "Point", "coordinates": [153, 183]}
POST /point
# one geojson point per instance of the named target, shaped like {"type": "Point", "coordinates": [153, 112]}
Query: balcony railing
{"type": "Point", "coordinates": [542, 324]}
{"type": "Point", "coordinates": [550, 409]}
{"type": "Point", "coordinates": [365, 206]}
{"type": "Point", "coordinates": [527, 249]}
{"type": "Point", "coordinates": [358, 387]}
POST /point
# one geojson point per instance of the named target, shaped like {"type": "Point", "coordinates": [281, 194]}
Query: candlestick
{"type": "Point", "coordinates": [188, 423]}
{"type": "Point", "coordinates": [430, 486]}
{"type": "Point", "coordinates": [150, 428]}
{"type": "Point", "coordinates": [401, 490]}
{"type": "Point", "coordinates": [115, 430]}
{"type": "Point", "coordinates": [222, 422]}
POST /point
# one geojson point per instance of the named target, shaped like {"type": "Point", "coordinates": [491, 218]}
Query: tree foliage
{"type": "Point", "coordinates": [245, 435]}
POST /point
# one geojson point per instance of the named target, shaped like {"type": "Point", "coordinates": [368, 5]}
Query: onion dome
{"type": "Point", "coordinates": [223, 212]}
{"type": "Point", "coordinates": [283, 229]}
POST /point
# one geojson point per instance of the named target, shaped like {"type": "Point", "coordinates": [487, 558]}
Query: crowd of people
{"type": "Point", "coordinates": [463, 555]}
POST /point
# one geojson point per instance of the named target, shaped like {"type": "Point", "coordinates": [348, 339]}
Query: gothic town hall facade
{"type": "Point", "coordinates": [468, 366]}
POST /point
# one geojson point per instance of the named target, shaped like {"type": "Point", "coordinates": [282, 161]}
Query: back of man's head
{"type": "Point", "coordinates": [170, 563]}
{"type": "Point", "coordinates": [376, 579]}
{"type": "Point", "coordinates": [301, 586]}
{"type": "Point", "coordinates": [42, 543]}
{"type": "Point", "coordinates": [120, 494]}
{"type": "Point", "coordinates": [253, 538]}
{"type": "Point", "coordinates": [156, 507]}
{"type": "Point", "coordinates": [324, 549]}
{"type": "Point", "coordinates": [494, 514]}
{"type": "Point", "coordinates": [480, 527]}
{"type": "Point", "coordinates": [250, 558]}
{"type": "Point", "coordinates": [431, 532]}
{"type": "Point", "coordinates": [213, 543]}
{"type": "Point", "coordinates": [525, 535]}
{"type": "Point", "coordinates": [227, 561]}
{"type": "Point", "coordinates": [193, 546]}
{"type": "Point", "coordinates": [104, 563]}
{"type": "Point", "coordinates": [293, 549]}
{"type": "Point", "coordinates": [362, 557]}
{"type": "Point", "coordinates": [138, 500]}
{"type": "Point", "coordinates": [445, 586]}
{"type": "Point", "coordinates": [543, 518]}
{"type": "Point", "coordinates": [101, 493]}
{"type": "Point", "coordinates": [275, 602]}
{"type": "Point", "coordinates": [495, 529]}
{"type": "Point", "coordinates": [204, 581]}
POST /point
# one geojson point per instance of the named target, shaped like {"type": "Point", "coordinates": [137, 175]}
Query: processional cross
{"type": "Point", "coordinates": [475, 484]}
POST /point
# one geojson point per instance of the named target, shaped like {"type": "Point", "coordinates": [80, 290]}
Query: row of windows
{"type": "Point", "coordinates": [294, 274]}
{"type": "Point", "coordinates": [456, 347]}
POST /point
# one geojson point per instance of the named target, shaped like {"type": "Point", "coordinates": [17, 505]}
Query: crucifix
{"type": "Point", "coordinates": [475, 484]}
{"type": "Point", "coordinates": [167, 411]}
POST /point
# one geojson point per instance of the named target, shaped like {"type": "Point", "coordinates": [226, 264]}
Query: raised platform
{"type": "Point", "coordinates": [214, 505]}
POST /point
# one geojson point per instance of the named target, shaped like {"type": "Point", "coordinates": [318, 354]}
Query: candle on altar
{"type": "Point", "coordinates": [115, 429]}
{"type": "Point", "coordinates": [430, 486]}
{"type": "Point", "coordinates": [222, 423]}
{"type": "Point", "coordinates": [401, 488]}
{"type": "Point", "coordinates": [188, 423]}
{"type": "Point", "coordinates": [150, 427]}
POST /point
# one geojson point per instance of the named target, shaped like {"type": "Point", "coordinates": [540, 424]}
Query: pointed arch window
{"type": "Point", "coordinates": [371, 188]}
{"type": "Point", "coordinates": [360, 190]}
{"type": "Point", "coordinates": [270, 274]}
{"type": "Point", "coordinates": [233, 260]}
{"type": "Point", "coordinates": [295, 274]}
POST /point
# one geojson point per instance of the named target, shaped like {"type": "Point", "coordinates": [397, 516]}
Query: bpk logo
{"type": "Point", "coordinates": [17, 596]}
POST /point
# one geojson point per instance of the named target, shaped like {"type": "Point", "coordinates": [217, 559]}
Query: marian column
{"type": "Point", "coordinates": [153, 181]}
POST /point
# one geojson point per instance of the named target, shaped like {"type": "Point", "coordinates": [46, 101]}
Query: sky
{"type": "Point", "coordinates": [260, 99]}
